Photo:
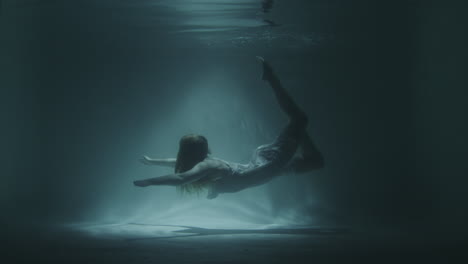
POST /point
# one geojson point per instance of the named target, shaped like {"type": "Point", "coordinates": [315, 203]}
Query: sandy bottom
{"type": "Point", "coordinates": [151, 243]}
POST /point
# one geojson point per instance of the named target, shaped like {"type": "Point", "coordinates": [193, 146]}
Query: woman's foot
{"type": "Point", "coordinates": [267, 70]}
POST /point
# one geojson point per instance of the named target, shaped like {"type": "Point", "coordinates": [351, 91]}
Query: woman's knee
{"type": "Point", "coordinates": [300, 119]}
{"type": "Point", "coordinates": [301, 165]}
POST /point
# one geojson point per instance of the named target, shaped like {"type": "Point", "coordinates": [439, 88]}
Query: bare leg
{"type": "Point", "coordinates": [285, 101]}
{"type": "Point", "coordinates": [295, 132]}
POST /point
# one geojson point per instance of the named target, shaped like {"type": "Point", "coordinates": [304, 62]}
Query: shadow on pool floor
{"type": "Point", "coordinates": [210, 245]}
{"type": "Point", "coordinates": [193, 231]}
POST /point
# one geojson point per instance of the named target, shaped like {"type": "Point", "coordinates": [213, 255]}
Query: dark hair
{"type": "Point", "coordinates": [193, 149]}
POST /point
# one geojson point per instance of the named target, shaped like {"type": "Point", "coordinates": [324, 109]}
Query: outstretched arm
{"type": "Point", "coordinates": [200, 170]}
{"type": "Point", "coordinates": [161, 162]}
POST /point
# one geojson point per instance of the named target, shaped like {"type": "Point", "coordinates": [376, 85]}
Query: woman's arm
{"type": "Point", "coordinates": [161, 162]}
{"type": "Point", "coordinates": [200, 170]}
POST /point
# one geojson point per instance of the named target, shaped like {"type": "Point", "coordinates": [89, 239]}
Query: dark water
{"type": "Point", "coordinates": [90, 86]}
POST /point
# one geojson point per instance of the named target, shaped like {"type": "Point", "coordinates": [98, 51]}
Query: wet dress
{"type": "Point", "coordinates": [267, 162]}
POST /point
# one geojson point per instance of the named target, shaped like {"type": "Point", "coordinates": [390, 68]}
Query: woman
{"type": "Point", "coordinates": [195, 170]}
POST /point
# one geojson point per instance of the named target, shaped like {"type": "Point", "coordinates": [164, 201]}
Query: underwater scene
{"type": "Point", "coordinates": [233, 131]}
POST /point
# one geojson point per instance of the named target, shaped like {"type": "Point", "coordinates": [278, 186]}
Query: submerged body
{"type": "Point", "coordinates": [293, 150]}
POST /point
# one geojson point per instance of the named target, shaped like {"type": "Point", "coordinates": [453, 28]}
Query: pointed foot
{"type": "Point", "coordinates": [267, 70]}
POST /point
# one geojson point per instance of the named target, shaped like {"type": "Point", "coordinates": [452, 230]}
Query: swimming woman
{"type": "Point", "coordinates": [293, 150]}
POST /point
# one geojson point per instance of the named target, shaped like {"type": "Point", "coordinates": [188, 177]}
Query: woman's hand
{"type": "Point", "coordinates": [141, 183]}
{"type": "Point", "coordinates": [146, 160]}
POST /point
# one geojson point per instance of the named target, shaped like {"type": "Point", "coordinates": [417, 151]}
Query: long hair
{"type": "Point", "coordinates": [193, 149]}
